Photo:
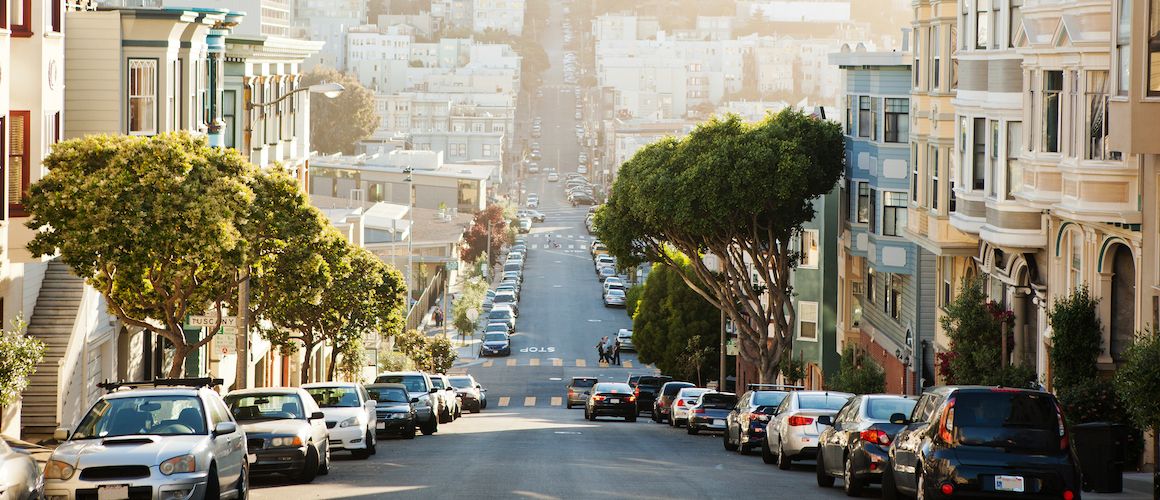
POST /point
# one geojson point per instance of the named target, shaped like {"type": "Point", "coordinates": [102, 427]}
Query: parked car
{"type": "Point", "coordinates": [20, 477]}
{"type": "Point", "coordinates": [602, 260]}
{"type": "Point", "coordinates": [664, 399]}
{"type": "Point", "coordinates": [154, 439]}
{"type": "Point", "coordinates": [507, 298]}
{"type": "Point", "coordinates": [394, 410]}
{"type": "Point", "coordinates": [682, 405]}
{"type": "Point", "coordinates": [513, 275]}
{"type": "Point", "coordinates": [745, 425]}
{"type": "Point", "coordinates": [419, 386]}
{"type": "Point", "coordinates": [525, 225]}
{"type": "Point", "coordinates": [579, 389]}
{"type": "Point", "coordinates": [606, 272]}
{"type": "Point", "coordinates": [972, 441]}
{"type": "Point", "coordinates": [507, 285]}
{"type": "Point", "coordinates": [646, 388]}
{"type": "Point", "coordinates": [285, 431]}
{"type": "Point", "coordinates": [350, 415]}
{"type": "Point", "coordinates": [502, 314]}
{"type": "Point", "coordinates": [708, 412]}
{"type": "Point", "coordinates": [471, 393]}
{"type": "Point", "coordinates": [496, 343]}
{"type": "Point", "coordinates": [553, 177]}
{"type": "Point", "coordinates": [452, 409]}
{"type": "Point", "coordinates": [611, 398]}
{"type": "Point", "coordinates": [792, 434]}
{"type": "Point", "coordinates": [582, 199]}
{"type": "Point", "coordinates": [625, 338]}
{"type": "Point", "coordinates": [614, 298]}
{"type": "Point", "coordinates": [856, 445]}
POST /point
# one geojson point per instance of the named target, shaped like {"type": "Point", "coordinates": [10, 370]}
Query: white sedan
{"type": "Point", "coordinates": [349, 413]}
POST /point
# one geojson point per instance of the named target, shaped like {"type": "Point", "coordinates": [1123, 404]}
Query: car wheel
{"type": "Point", "coordinates": [372, 442]}
{"type": "Point", "coordinates": [244, 483]}
{"type": "Point", "coordinates": [850, 484]}
{"type": "Point", "coordinates": [655, 416]}
{"type": "Point", "coordinates": [309, 467]}
{"type": "Point", "coordinates": [766, 455]}
{"type": "Point", "coordinates": [783, 460]}
{"type": "Point", "coordinates": [430, 427]}
{"type": "Point", "coordinates": [743, 448]}
{"type": "Point", "coordinates": [889, 491]}
{"type": "Point", "coordinates": [825, 480]}
{"type": "Point", "coordinates": [591, 416]}
{"type": "Point", "coordinates": [324, 467]}
{"type": "Point", "coordinates": [725, 439]}
{"type": "Point", "coordinates": [483, 404]}
{"type": "Point", "coordinates": [410, 433]}
{"type": "Point", "coordinates": [212, 485]}
{"type": "Point", "coordinates": [920, 491]}
{"type": "Point", "coordinates": [692, 429]}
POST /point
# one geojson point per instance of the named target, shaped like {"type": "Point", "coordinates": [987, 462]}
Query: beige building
{"type": "Point", "coordinates": [386, 177]}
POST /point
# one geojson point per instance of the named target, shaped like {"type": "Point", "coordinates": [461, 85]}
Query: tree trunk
{"type": "Point", "coordinates": [333, 363]}
{"type": "Point", "coordinates": [176, 368]}
{"type": "Point", "coordinates": [307, 363]}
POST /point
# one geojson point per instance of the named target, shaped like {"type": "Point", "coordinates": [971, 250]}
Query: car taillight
{"type": "Point", "coordinates": [698, 411]}
{"type": "Point", "coordinates": [636, 391]}
{"type": "Point", "coordinates": [598, 398]}
{"type": "Point", "coordinates": [946, 426]}
{"type": "Point", "coordinates": [1068, 495]}
{"type": "Point", "coordinates": [630, 399]}
{"type": "Point", "coordinates": [1063, 438]}
{"type": "Point", "coordinates": [947, 489]}
{"type": "Point", "coordinates": [680, 402]}
{"type": "Point", "coordinates": [759, 416]}
{"type": "Point", "coordinates": [798, 420]}
{"type": "Point", "coordinates": [875, 436]}
{"type": "Point", "coordinates": [661, 403]}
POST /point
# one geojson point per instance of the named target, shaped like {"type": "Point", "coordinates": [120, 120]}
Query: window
{"type": "Point", "coordinates": [897, 120]}
{"type": "Point", "coordinates": [893, 305]}
{"type": "Point", "coordinates": [3, 140]}
{"type": "Point", "coordinates": [487, 150]}
{"type": "Point", "coordinates": [979, 163]}
{"type": "Point", "coordinates": [871, 293]}
{"type": "Point", "coordinates": [934, 177]}
{"type": "Point", "coordinates": [875, 103]}
{"type": "Point", "coordinates": [935, 57]}
{"type": "Point", "coordinates": [1052, 87]}
{"type": "Point", "coordinates": [1097, 96]}
{"type": "Point", "coordinates": [1014, 21]}
{"type": "Point", "coordinates": [1153, 47]}
{"type": "Point", "coordinates": [468, 196]}
{"type": "Point", "coordinates": [809, 248]}
{"type": "Point", "coordinates": [142, 96]}
{"type": "Point", "coordinates": [850, 110]}
{"type": "Point", "coordinates": [948, 278]}
{"type": "Point", "coordinates": [864, 117]}
{"type": "Point", "coordinates": [1123, 47]}
{"type": "Point", "coordinates": [20, 18]}
{"type": "Point", "coordinates": [174, 99]}
{"type": "Point", "coordinates": [55, 16]}
{"type": "Point", "coordinates": [917, 57]}
{"type": "Point", "coordinates": [18, 161]}
{"type": "Point", "coordinates": [863, 202]}
{"type": "Point", "coordinates": [807, 320]}
{"type": "Point", "coordinates": [993, 186]}
{"type": "Point", "coordinates": [873, 209]}
{"type": "Point", "coordinates": [964, 20]}
{"type": "Point", "coordinates": [1014, 167]}
{"type": "Point", "coordinates": [893, 213]}
{"type": "Point", "coordinates": [983, 26]}
{"type": "Point", "coordinates": [914, 172]}
{"type": "Point", "coordinates": [229, 117]}
{"type": "Point", "coordinates": [1074, 259]}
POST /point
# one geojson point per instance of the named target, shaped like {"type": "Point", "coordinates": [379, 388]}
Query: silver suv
{"type": "Point", "coordinates": [172, 439]}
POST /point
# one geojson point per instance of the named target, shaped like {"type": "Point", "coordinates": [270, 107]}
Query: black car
{"type": "Point", "coordinates": [394, 411]}
{"type": "Point", "coordinates": [709, 413]}
{"type": "Point", "coordinates": [745, 424]}
{"type": "Point", "coordinates": [496, 343]}
{"type": "Point", "coordinates": [611, 399]}
{"type": "Point", "coordinates": [982, 441]}
{"type": "Point", "coordinates": [579, 389]}
{"type": "Point", "coordinates": [664, 400]}
{"type": "Point", "coordinates": [646, 389]}
{"type": "Point", "coordinates": [855, 446]}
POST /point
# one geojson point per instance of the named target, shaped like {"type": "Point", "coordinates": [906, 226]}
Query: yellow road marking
{"type": "Point", "coordinates": [511, 362]}
{"type": "Point", "coordinates": [488, 364]}
{"type": "Point", "coordinates": [581, 363]}
{"type": "Point", "coordinates": [557, 362]}
{"type": "Point", "coordinates": [534, 362]}
{"type": "Point", "coordinates": [504, 400]}
{"type": "Point", "coordinates": [529, 401]}
{"type": "Point", "coordinates": [557, 400]}
{"type": "Point", "coordinates": [628, 364]}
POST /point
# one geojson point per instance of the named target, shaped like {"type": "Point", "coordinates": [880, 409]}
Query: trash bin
{"type": "Point", "coordinates": [1101, 447]}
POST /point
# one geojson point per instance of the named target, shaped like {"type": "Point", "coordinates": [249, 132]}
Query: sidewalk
{"type": "Point", "coordinates": [466, 349]}
{"type": "Point", "coordinates": [1137, 485]}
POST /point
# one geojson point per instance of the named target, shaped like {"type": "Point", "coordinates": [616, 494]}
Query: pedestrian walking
{"type": "Point", "coordinates": [616, 353]}
{"type": "Point", "coordinates": [600, 351]}
{"type": "Point", "coordinates": [438, 317]}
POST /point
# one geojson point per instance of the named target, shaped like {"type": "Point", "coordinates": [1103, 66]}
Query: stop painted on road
{"type": "Point", "coordinates": [538, 349]}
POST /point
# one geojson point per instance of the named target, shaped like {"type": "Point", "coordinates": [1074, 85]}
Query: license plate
{"type": "Point", "coordinates": [380, 425]}
{"type": "Point", "coordinates": [718, 421]}
{"type": "Point", "coordinates": [113, 492]}
{"type": "Point", "coordinates": [1009, 483]}
{"type": "Point", "coordinates": [613, 401]}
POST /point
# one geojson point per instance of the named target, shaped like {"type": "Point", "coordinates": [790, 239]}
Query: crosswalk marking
{"type": "Point", "coordinates": [628, 364]}
{"type": "Point", "coordinates": [534, 362]}
{"type": "Point", "coordinates": [580, 363]}
{"type": "Point", "coordinates": [571, 247]}
{"type": "Point", "coordinates": [557, 362]}
{"type": "Point", "coordinates": [557, 400]}
{"type": "Point", "coordinates": [529, 401]}
{"type": "Point", "coordinates": [534, 246]}
{"type": "Point", "coordinates": [488, 364]}
{"type": "Point", "coordinates": [511, 362]}
{"type": "Point", "coordinates": [503, 401]}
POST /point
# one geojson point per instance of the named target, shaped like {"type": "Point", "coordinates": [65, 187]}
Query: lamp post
{"type": "Point", "coordinates": [410, 228]}
{"type": "Point", "coordinates": [241, 373]}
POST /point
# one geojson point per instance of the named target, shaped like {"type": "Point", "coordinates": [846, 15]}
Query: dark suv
{"type": "Point", "coordinates": [646, 389]}
{"type": "Point", "coordinates": [982, 441]}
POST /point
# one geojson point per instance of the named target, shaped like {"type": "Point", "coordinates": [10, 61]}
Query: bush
{"type": "Point", "coordinates": [1137, 379]}
{"type": "Point", "coordinates": [395, 362]}
{"type": "Point", "coordinates": [442, 354]}
{"type": "Point", "coordinates": [19, 355]}
{"type": "Point", "coordinates": [1096, 400]}
{"type": "Point", "coordinates": [632, 298]}
{"type": "Point", "coordinates": [1075, 339]}
{"type": "Point", "coordinates": [858, 374]}
{"type": "Point", "coordinates": [974, 325]}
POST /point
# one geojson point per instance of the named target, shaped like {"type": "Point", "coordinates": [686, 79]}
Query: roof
{"type": "Point", "coordinates": [149, 391]}
{"type": "Point", "coordinates": [317, 385]}
{"type": "Point", "coordinates": [265, 390]}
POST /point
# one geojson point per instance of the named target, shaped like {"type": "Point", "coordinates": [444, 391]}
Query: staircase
{"type": "Point", "coordinates": [52, 322]}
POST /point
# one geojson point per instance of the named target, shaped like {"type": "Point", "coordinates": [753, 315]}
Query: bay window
{"type": "Point", "coordinates": [935, 58]}
{"type": "Point", "coordinates": [897, 126]}
{"type": "Point", "coordinates": [982, 23]}
{"type": "Point", "coordinates": [809, 248]}
{"type": "Point", "coordinates": [979, 155]}
{"type": "Point", "coordinates": [864, 116]}
{"type": "Point", "coordinates": [1014, 19]}
{"type": "Point", "coordinates": [914, 172]}
{"type": "Point", "coordinates": [1123, 46]}
{"type": "Point", "coordinates": [873, 211]}
{"type": "Point", "coordinates": [893, 213]}
{"type": "Point", "coordinates": [1014, 167]}
{"type": "Point", "coordinates": [933, 165]}
{"type": "Point", "coordinates": [1052, 88]}
{"type": "Point", "coordinates": [142, 97]}
{"type": "Point", "coordinates": [863, 202]}
{"type": "Point", "coordinates": [993, 186]}
{"type": "Point", "coordinates": [850, 115]}
{"type": "Point", "coordinates": [1097, 129]}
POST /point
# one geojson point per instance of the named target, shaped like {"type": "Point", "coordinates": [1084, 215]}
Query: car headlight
{"type": "Point", "coordinates": [183, 463]}
{"type": "Point", "coordinates": [55, 469]}
{"type": "Point", "coordinates": [350, 422]}
{"type": "Point", "coordinates": [289, 441]}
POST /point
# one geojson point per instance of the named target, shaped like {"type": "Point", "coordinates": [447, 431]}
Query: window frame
{"type": "Point", "coordinates": [900, 120]}
{"type": "Point", "coordinates": [1014, 19]}
{"type": "Point", "coordinates": [803, 308]}
{"type": "Point", "coordinates": [865, 117]}
{"type": "Point", "coordinates": [155, 63]}
{"type": "Point", "coordinates": [935, 50]}
{"type": "Point", "coordinates": [933, 166]}
{"type": "Point", "coordinates": [1014, 169]}
{"type": "Point", "coordinates": [873, 224]}
{"type": "Point", "coordinates": [229, 118]}
{"type": "Point", "coordinates": [863, 215]}
{"type": "Point", "coordinates": [16, 207]}
{"type": "Point", "coordinates": [1051, 98]}
{"type": "Point", "coordinates": [978, 154]}
{"type": "Point", "coordinates": [23, 29]}
{"type": "Point", "coordinates": [1123, 49]}
{"type": "Point", "coordinates": [993, 159]}
{"type": "Point", "coordinates": [871, 293]}
{"type": "Point", "coordinates": [56, 16]}
{"type": "Point", "coordinates": [807, 236]}
{"type": "Point", "coordinates": [914, 173]}
{"type": "Point", "coordinates": [893, 213]}
{"type": "Point", "coordinates": [983, 23]}
{"type": "Point", "coordinates": [1096, 105]}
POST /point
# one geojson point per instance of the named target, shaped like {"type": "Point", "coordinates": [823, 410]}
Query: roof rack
{"type": "Point", "coordinates": [161, 382]}
{"type": "Point", "coordinates": [774, 387]}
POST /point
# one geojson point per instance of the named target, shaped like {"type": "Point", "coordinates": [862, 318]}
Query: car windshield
{"type": "Point", "coordinates": [768, 398]}
{"type": "Point", "coordinates": [614, 388]}
{"type": "Point", "coordinates": [437, 383]}
{"type": "Point", "coordinates": [388, 394]}
{"type": "Point", "coordinates": [131, 416]}
{"type": "Point", "coordinates": [494, 337]}
{"type": "Point", "coordinates": [335, 397]}
{"type": "Point", "coordinates": [583, 382]}
{"type": "Point", "coordinates": [883, 408]}
{"type": "Point", "coordinates": [500, 313]}
{"type": "Point", "coordinates": [821, 401]}
{"type": "Point", "coordinates": [495, 327]}
{"type": "Point", "coordinates": [414, 383]}
{"type": "Point", "coordinates": [461, 382]}
{"type": "Point", "coordinates": [1005, 409]}
{"type": "Point", "coordinates": [670, 389]}
{"type": "Point", "coordinates": [691, 392]}
{"type": "Point", "coordinates": [265, 406]}
{"type": "Point", "coordinates": [717, 400]}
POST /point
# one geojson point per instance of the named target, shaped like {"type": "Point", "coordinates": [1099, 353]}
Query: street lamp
{"type": "Point", "coordinates": [410, 228]}
{"type": "Point", "coordinates": [328, 90]}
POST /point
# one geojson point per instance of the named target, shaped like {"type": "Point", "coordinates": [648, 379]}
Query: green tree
{"type": "Point", "coordinates": [857, 374]}
{"type": "Point", "coordinates": [698, 356]}
{"type": "Point", "coordinates": [337, 125]}
{"type": "Point", "coordinates": [1136, 382]}
{"type": "Point", "coordinates": [740, 192]}
{"type": "Point", "coordinates": [395, 361]}
{"type": "Point", "coordinates": [470, 299]}
{"type": "Point", "coordinates": [442, 354]}
{"type": "Point", "coordinates": [153, 223]}
{"type": "Point", "coordinates": [476, 238]}
{"type": "Point", "coordinates": [19, 355]}
{"type": "Point", "coordinates": [669, 315]}
{"type": "Point", "coordinates": [632, 299]}
{"type": "Point", "coordinates": [974, 325]}
{"type": "Point", "coordinates": [413, 344]}
{"type": "Point", "coordinates": [1075, 339]}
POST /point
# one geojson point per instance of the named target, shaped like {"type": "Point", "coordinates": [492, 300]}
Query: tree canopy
{"type": "Point", "coordinates": [476, 239]}
{"type": "Point", "coordinates": [740, 192]}
{"type": "Point", "coordinates": [19, 355]}
{"type": "Point", "coordinates": [974, 325]}
{"type": "Point", "coordinates": [337, 125]}
{"type": "Point", "coordinates": [858, 374]}
{"type": "Point", "coordinates": [674, 326]}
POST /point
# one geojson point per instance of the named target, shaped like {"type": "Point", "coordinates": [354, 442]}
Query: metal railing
{"type": "Point", "coordinates": [431, 294]}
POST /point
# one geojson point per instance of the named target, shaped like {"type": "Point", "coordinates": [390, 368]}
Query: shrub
{"type": "Point", "coordinates": [1075, 339]}
{"type": "Point", "coordinates": [858, 374]}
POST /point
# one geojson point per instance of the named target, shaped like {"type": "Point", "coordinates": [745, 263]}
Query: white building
{"type": "Point", "coordinates": [498, 15]}
{"type": "Point", "coordinates": [380, 59]}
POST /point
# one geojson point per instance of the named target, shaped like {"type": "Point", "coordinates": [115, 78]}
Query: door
{"type": "Point", "coordinates": [229, 449]}
{"type": "Point", "coordinates": [909, 441]}
{"type": "Point", "coordinates": [836, 439]}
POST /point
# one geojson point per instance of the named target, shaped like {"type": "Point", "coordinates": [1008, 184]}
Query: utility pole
{"type": "Point", "coordinates": [242, 370]}
{"type": "Point", "coordinates": [723, 357]}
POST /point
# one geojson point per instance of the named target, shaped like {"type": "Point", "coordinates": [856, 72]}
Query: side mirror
{"type": "Point", "coordinates": [434, 390]}
{"type": "Point", "coordinates": [61, 434]}
{"type": "Point", "coordinates": [482, 389]}
{"type": "Point", "coordinates": [414, 400]}
{"type": "Point", "coordinates": [317, 416]}
{"type": "Point", "coordinates": [826, 420]}
{"type": "Point", "coordinates": [452, 389]}
{"type": "Point", "coordinates": [898, 418]}
{"type": "Point", "coordinates": [223, 428]}
{"type": "Point", "coordinates": [372, 402]}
